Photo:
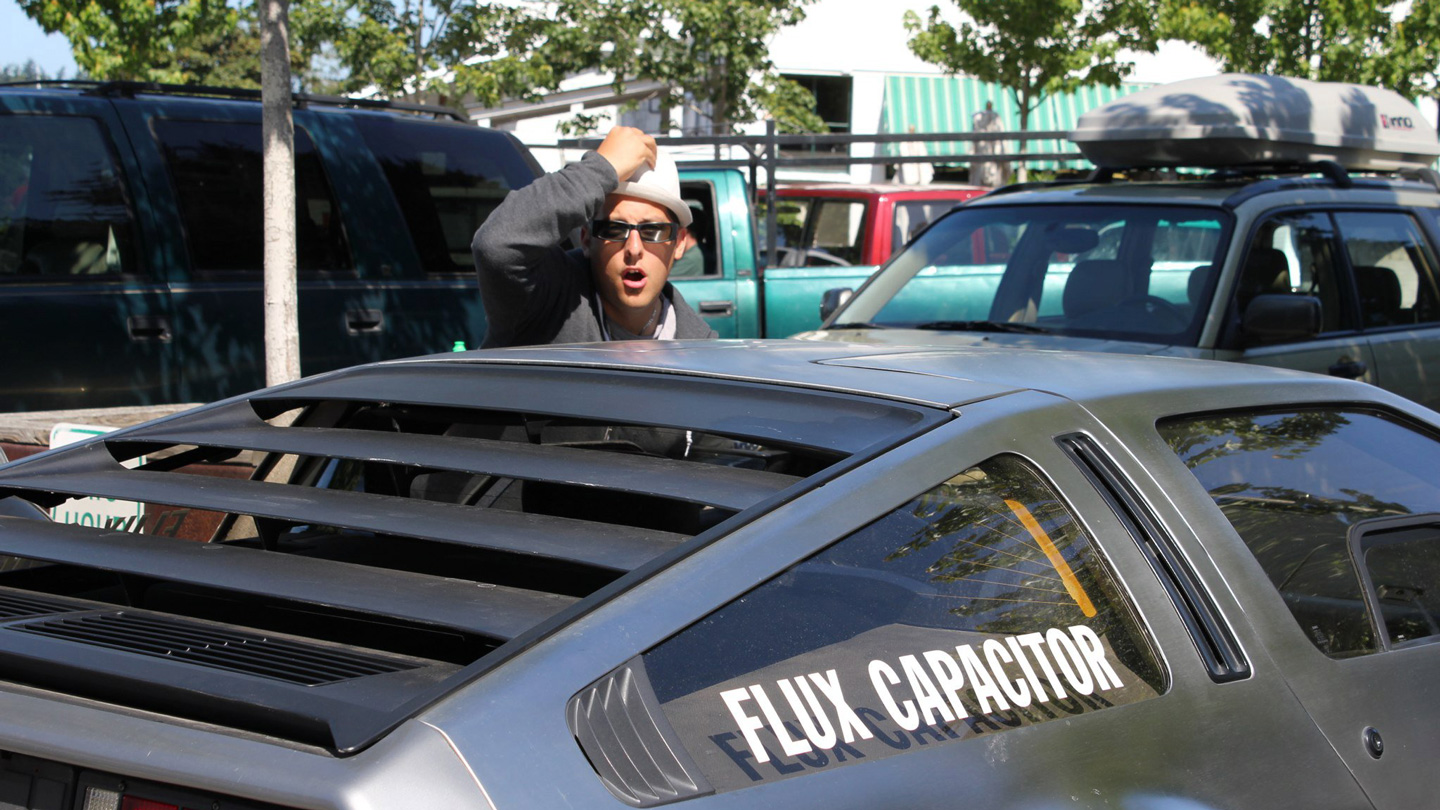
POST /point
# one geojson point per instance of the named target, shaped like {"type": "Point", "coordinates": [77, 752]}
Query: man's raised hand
{"type": "Point", "coordinates": [627, 149]}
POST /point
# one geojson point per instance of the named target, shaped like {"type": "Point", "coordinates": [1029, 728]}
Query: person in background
{"type": "Point", "coordinates": [625, 200]}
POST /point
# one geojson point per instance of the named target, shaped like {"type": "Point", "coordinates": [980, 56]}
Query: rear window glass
{"type": "Point", "coordinates": [446, 179]}
{"type": "Point", "coordinates": [977, 607]}
{"type": "Point", "coordinates": [63, 210]}
{"type": "Point", "coordinates": [1312, 491]}
{"type": "Point", "coordinates": [217, 170]}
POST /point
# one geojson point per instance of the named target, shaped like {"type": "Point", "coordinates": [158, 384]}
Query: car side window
{"type": "Point", "coordinates": [1393, 267]}
{"type": "Point", "coordinates": [837, 229]}
{"type": "Point", "coordinates": [1304, 489]}
{"type": "Point", "coordinates": [447, 179]}
{"type": "Point", "coordinates": [216, 169]}
{"type": "Point", "coordinates": [64, 214]}
{"type": "Point", "coordinates": [1293, 254]}
{"type": "Point", "coordinates": [910, 218]}
{"type": "Point", "coordinates": [980, 606]}
{"type": "Point", "coordinates": [700, 258]}
{"type": "Point", "coordinates": [790, 217]}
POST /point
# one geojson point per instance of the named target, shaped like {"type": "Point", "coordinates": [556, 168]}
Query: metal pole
{"type": "Point", "coordinates": [772, 249]}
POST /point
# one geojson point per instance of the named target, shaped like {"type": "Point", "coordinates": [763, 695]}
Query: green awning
{"type": "Point", "coordinates": [948, 103]}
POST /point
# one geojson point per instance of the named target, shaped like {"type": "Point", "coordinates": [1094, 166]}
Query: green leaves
{"type": "Point", "coordinates": [1035, 47]}
{"type": "Point", "coordinates": [1392, 44]}
{"type": "Point", "coordinates": [704, 51]}
{"type": "Point", "coordinates": [716, 53]}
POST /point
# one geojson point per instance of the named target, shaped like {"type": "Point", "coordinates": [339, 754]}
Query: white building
{"type": "Point", "coordinates": [853, 55]}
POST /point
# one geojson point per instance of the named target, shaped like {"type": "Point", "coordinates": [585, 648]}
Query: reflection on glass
{"type": "Point", "coordinates": [216, 169]}
{"type": "Point", "coordinates": [979, 606]}
{"type": "Point", "coordinates": [1293, 484]}
{"type": "Point", "coordinates": [63, 212]}
{"type": "Point", "coordinates": [446, 181]}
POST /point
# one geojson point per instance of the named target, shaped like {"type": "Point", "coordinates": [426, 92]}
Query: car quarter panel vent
{"type": "Point", "coordinates": [629, 742]}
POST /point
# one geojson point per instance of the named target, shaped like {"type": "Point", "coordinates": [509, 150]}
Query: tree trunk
{"type": "Point", "coordinates": [1022, 173]}
{"type": "Point", "coordinates": [282, 332]}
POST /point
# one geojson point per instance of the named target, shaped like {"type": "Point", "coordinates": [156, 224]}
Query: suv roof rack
{"type": "Point", "coordinates": [129, 89]}
{"type": "Point", "coordinates": [1261, 176]}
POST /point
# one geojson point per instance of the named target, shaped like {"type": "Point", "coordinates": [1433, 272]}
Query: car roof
{"type": "Point", "coordinates": [1227, 192]}
{"type": "Point", "coordinates": [945, 377]}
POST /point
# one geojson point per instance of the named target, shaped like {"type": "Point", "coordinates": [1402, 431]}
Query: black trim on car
{"type": "Point", "coordinates": [1224, 660]}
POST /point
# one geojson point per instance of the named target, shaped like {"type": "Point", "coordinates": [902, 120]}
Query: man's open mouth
{"type": "Point", "coordinates": [633, 279]}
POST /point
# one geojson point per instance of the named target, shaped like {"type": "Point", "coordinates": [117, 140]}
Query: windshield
{"type": "Point", "coordinates": [1113, 271]}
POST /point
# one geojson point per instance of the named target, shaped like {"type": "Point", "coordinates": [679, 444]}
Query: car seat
{"type": "Point", "coordinates": [1094, 284]}
{"type": "Point", "coordinates": [1266, 270]}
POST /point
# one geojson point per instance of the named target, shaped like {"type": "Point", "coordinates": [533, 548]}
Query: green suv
{"type": "Point", "coordinates": [1288, 259]}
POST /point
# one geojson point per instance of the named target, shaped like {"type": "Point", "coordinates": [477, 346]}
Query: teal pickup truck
{"type": "Point", "coordinates": [723, 279]}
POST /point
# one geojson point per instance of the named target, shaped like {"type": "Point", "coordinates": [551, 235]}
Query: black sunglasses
{"type": "Point", "coordinates": [613, 231]}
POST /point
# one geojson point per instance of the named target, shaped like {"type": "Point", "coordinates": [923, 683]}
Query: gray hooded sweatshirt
{"type": "Point", "coordinates": [535, 291]}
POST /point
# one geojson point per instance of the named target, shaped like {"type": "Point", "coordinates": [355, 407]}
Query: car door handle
{"type": "Point", "coordinates": [358, 321]}
{"type": "Point", "coordinates": [721, 308]}
{"type": "Point", "coordinates": [148, 327]}
{"type": "Point", "coordinates": [1349, 369]}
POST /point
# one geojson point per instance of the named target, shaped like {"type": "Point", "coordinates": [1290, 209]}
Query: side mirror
{"type": "Point", "coordinates": [1280, 318]}
{"type": "Point", "coordinates": [833, 300]}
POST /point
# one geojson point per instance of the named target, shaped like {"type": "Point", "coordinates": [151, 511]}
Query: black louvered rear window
{"type": "Point", "coordinates": [424, 517]}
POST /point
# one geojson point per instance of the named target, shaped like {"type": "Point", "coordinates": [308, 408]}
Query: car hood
{"type": "Point", "coordinates": [930, 337]}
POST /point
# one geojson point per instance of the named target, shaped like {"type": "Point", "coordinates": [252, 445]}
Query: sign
{"type": "Point", "coordinates": [105, 513]}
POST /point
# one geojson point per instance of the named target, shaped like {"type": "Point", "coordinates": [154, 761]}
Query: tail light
{"type": "Point", "coordinates": [100, 798]}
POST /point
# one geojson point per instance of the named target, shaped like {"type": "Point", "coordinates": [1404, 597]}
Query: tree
{"type": "Point", "coordinates": [1035, 48]}
{"type": "Point", "coordinates": [715, 55]}
{"type": "Point", "coordinates": [174, 41]}
{"type": "Point", "coordinates": [449, 48]}
{"type": "Point", "coordinates": [28, 72]}
{"type": "Point", "coordinates": [277, 132]}
{"type": "Point", "coordinates": [1393, 44]}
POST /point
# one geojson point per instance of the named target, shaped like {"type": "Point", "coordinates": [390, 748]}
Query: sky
{"type": "Point", "coordinates": [22, 40]}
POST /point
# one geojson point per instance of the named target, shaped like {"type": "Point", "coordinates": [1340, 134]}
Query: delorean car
{"type": "Point", "coordinates": [1304, 235]}
{"type": "Point", "coordinates": [738, 574]}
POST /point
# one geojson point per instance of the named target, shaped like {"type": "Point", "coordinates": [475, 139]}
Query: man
{"type": "Point", "coordinates": [625, 199]}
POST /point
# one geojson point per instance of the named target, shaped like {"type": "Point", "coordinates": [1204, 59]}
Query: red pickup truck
{"type": "Point", "coordinates": [838, 224]}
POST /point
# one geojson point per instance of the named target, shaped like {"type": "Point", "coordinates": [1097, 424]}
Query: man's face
{"type": "Point", "coordinates": [629, 275]}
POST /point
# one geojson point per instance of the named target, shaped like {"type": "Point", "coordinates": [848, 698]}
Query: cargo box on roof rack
{"type": "Point", "coordinates": [1237, 120]}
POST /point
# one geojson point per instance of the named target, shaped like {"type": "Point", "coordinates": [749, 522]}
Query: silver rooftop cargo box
{"type": "Point", "coordinates": [1236, 119]}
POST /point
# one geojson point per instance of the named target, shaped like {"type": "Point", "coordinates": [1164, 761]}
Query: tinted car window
{"type": "Point", "coordinates": [977, 607]}
{"type": "Point", "coordinates": [63, 210]}
{"type": "Point", "coordinates": [1393, 266]}
{"type": "Point", "coordinates": [446, 180]}
{"type": "Point", "coordinates": [217, 170]}
{"type": "Point", "coordinates": [1296, 484]}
